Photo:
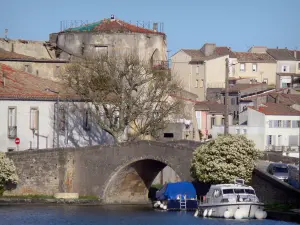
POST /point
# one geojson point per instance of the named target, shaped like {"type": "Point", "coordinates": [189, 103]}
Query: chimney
{"type": "Point", "coordinates": [295, 54]}
{"type": "Point", "coordinates": [209, 49]}
{"type": "Point", "coordinates": [155, 26]}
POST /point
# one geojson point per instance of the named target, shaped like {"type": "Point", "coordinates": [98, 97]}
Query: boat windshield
{"type": "Point", "coordinates": [238, 191]}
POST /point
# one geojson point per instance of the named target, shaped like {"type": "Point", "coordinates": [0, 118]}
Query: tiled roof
{"type": "Point", "coordinates": [20, 85]}
{"type": "Point", "coordinates": [254, 57]}
{"type": "Point", "coordinates": [12, 55]}
{"type": "Point", "coordinates": [113, 25]}
{"type": "Point", "coordinates": [281, 54]}
{"type": "Point", "coordinates": [276, 109]}
{"type": "Point", "coordinates": [198, 54]}
{"type": "Point", "coordinates": [211, 106]}
{"type": "Point", "coordinates": [295, 53]}
{"type": "Point", "coordinates": [286, 99]}
{"type": "Point", "coordinates": [241, 87]}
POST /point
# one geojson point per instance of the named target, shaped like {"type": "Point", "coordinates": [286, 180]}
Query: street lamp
{"type": "Point", "coordinates": [57, 108]}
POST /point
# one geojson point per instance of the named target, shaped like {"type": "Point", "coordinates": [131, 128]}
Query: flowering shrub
{"type": "Point", "coordinates": [8, 173]}
{"type": "Point", "coordinates": [224, 159]}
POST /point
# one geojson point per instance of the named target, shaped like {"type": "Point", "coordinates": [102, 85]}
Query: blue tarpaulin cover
{"type": "Point", "coordinates": [170, 191]}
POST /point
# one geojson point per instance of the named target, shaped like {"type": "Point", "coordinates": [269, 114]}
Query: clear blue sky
{"type": "Point", "coordinates": [187, 23]}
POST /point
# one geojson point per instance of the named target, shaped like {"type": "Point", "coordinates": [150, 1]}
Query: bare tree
{"type": "Point", "coordinates": [129, 97]}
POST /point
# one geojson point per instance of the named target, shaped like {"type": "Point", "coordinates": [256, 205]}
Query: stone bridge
{"type": "Point", "coordinates": [123, 173]}
{"type": "Point", "coordinates": [114, 173]}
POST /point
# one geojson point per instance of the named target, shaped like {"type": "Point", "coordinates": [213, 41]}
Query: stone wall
{"type": "Point", "coordinates": [48, 70]}
{"type": "Point", "coordinates": [104, 171]}
{"type": "Point", "coordinates": [36, 49]}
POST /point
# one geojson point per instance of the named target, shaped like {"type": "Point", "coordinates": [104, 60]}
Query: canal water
{"type": "Point", "coordinates": [108, 215]}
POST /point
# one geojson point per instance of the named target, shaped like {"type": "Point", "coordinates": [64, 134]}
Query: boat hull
{"type": "Point", "coordinates": [233, 210]}
{"type": "Point", "coordinates": [191, 205]}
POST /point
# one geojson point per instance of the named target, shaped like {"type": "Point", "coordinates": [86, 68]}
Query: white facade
{"type": "Point", "coordinates": [273, 132]}
{"type": "Point", "coordinates": [34, 123]}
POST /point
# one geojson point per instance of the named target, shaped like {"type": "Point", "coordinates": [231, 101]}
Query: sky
{"type": "Point", "coordinates": [238, 24]}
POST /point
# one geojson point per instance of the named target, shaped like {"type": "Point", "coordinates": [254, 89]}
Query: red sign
{"type": "Point", "coordinates": [17, 141]}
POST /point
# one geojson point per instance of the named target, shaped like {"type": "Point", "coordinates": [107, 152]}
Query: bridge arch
{"type": "Point", "coordinates": [131, 181]}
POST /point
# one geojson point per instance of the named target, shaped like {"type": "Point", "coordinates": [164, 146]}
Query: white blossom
{"type": "Point", "coordinates": [224, 159]}
{"type": "Point", "coordinates": [7, 171]}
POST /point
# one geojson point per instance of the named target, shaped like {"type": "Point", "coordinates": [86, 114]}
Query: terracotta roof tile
{"type": "Point", "coordinates": [254, 57]}
{"type": "Point", "coordinates": [281, 54]}
{"type": "Point", "coordinates": [211, 106]}
{"type": "Point", "coordinates": [198, 54]}
{"type": "Point", "coordinates": [276, 109]}
{"type": "Point", "coordinates": [20, 85]}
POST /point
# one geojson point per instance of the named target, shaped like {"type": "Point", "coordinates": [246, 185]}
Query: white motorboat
{"type": "Point", "coordinates": [236, 201]}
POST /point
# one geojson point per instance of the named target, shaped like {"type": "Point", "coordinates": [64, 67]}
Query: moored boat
{"type": "Point", "coordinates": [236, 201]}
{"type": "Point", "coordinates": [176, 196]}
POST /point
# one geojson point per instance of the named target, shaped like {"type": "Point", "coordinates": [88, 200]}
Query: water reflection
{"type": "Point", "coordinates": [108, 215]}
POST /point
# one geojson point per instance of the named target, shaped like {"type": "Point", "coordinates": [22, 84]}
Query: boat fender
{"type": "Point", "coordinates": [156, 204]}
{"type": "Point", "coordinates": [165, 207]}
{"type": "Point", "coordinates": [265, 214]}
{"type": "Point", "coordinates": [209, 212]}
{"type": "Point", "coordinates": [238, 214]}
{"type": "Point", "coordinates": [227, 214]}
{"type": "Point", "coordinates": [259, 214]}
{"type": "Point", "coordinates": [161, 206]}
{"type": "Point", "coordinates": [196, 213]}
{"type": "Point", "coordinates": [205, 213]}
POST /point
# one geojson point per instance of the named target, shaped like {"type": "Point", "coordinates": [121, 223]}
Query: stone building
{"type": "Point", "coordinates": [110, 35]}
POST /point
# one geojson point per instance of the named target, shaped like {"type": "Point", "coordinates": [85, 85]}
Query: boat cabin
{"type": "Point", "coordinates": [223, 193]}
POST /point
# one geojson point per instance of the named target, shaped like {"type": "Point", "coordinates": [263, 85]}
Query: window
{"type": "Point", "coordinates": [201, 83]}
{"type": "Point", "coordinates": [271, 139]}
{"type": "Point", "coordinates": [223, 121]}
{"type": "Point", "coordinates": [245, 131]}
{"type": "Point", "coordinates": [278, 123]}
{"type": "Point", "coordinates": [242, 67]}
{"type": "Point", "coordinates": [168, 135]}
{"type": "Point", "coordinates": [198, 118]}
{"type": "Point", "coordinates": [232, 101]}
{"type": "Point", "coordinates": [26, 69]}
{"type": "Point", "coordinates": [285, 68]}
{"type": "Point", "coordinates": [11, 149]}
{"type": "Point", "coordinates": [197, 70]}
{"type": "Point", "coordinates": [34, 118]}
{"type": "Point", "coordinates": [295, 124]}
{"type": "Point", "coordinates": [62, 119]}
{"type": "Point", "coordinates": [254, 67]}
{"type": "Point", "coordinates": [265, 80]}
{"type": "Point", "coordinates": [233, 114]}
{"type": "Point", "coordinates": [12, 122]}
{"type": "Point", "coordinates": [101, 50]}
{"type": "Point", "coordinates": [196, 84]}
{"type": "Point", "coordinates": [212, 122]}
{"type": "Point", "coordinates": [237, 100]}
{"type": "Point", "coordinates": [298, 66]}
{"type": "Point", "coordinates": [86, 120]}
{"type": "Point", "coordinates": [287, 124]}
{"type": "Point", "coordinates": [237, 131]}
{"type": "Point", "coordinates": [293, 140]}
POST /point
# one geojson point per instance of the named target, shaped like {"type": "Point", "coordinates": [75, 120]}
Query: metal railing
{"type": "Point", "coordinates": [274, 148]}
{"type": "Point", "coordinates": [12, 132]}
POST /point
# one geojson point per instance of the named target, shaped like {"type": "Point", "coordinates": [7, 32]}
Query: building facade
{"type": "Point", "coordinates": [199, 69]}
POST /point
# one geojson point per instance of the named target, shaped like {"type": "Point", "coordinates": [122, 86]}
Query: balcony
{"type": "Point", "coordinates": [274, 148]}
{"type": "Point", "coordinates": [12, 132]}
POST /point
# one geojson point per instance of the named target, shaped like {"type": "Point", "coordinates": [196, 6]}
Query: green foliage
{"type": "Point", "coordinates": [89, 197]}
{"type": "Point", "coordinates": [8, 174]}
{"type": "Point", "coordinates": [157, 186]}
{"type": "Point", "coordinates": [29, 196]}
{"type": "Point", "coordinates": [224, 159]}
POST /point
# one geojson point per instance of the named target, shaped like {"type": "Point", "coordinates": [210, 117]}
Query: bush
{"type": "Point", "coordinates": [224, 159]}
{"type": "Point", "coordinates": [8, 175]}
